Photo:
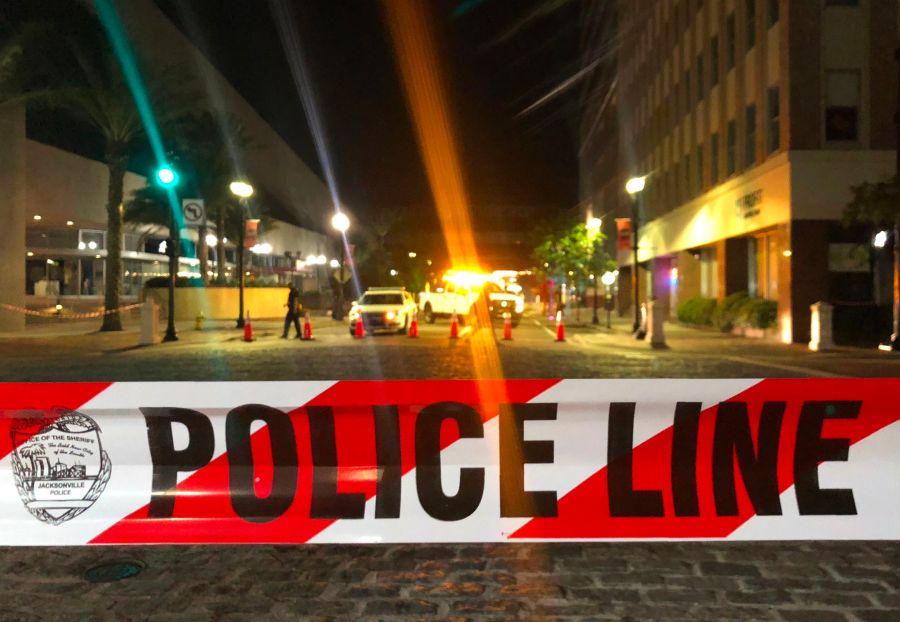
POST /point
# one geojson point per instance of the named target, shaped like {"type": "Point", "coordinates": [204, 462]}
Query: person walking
{"type": "Point", "coordinates": [293, 312]}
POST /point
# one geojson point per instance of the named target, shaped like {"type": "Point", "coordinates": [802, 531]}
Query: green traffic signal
{"type": "Point", "coordinates": [166, 176]}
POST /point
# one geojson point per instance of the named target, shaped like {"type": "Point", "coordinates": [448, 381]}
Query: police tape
{"type": "Point", "coordinates": [58, 314]}
{"type": "Point", "coordinates": [449, 461]}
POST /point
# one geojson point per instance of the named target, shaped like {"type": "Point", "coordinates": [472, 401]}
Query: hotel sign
{"type": "Point", "coordinates": [748, 206]}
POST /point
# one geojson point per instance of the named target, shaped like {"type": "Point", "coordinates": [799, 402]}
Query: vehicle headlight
{"type": "Point", "coordinates": [390, 315]}
{"type": "Point", "coordinates": [520, 306]}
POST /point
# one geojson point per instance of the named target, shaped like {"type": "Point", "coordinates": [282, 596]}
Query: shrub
{"type": "Point", "coordinates": [697, 311]}
{"type": "Point", "coordinates": [726, 313]}
{"type": "Point", "coordinates": [758, 313]}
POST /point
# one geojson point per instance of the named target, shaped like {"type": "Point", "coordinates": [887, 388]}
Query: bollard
{"type": "Point", "coordinates": [820, 327]}
{"type": "Point", "coordinates": [198, 323]}
{"type": "Point", "coordinates": [149, 323]}
{"type": "Point", "coordinates": [656, 335]}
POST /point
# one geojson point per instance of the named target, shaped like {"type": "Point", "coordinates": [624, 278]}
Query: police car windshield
{"type": "Point", "coordinates": [382, 299]}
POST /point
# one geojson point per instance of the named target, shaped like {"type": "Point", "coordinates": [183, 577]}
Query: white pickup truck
{"type": "Point", "coordinates": [459, 296]}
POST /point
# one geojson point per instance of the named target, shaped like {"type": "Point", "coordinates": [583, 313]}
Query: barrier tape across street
{"type": "Point", "coordinates": [449, 461]}
{"type": "Point", "coordinates": [66, 316]}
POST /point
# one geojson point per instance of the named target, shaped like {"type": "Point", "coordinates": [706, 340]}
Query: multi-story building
{"type": "Point", "coordinates": [54, 201]}
{"type": "Point", "coordinates": [752, 120]}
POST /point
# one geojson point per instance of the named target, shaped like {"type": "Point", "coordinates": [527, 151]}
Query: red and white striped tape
{"type": "Point", "coordinates": [448, 461]}
{"type": "Point", "coordinates": [58, 314]}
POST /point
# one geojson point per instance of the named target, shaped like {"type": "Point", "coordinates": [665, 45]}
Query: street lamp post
{"type": "Point", "coordinates": [634, 187]}
{"type": "Point", "coordinates": [593, 226]}
{"type": "Point", "coordinates": [168, 178]}
{"type": "Point", "coordinates": [341, 223]}
{"type": "Point", "coordinates": [608, 279]}
{"type": "Point", "coordinates": [243, 191]}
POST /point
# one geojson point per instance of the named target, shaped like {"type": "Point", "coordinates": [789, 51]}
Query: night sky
{"type": "Point", "coordinates": [494, 70]}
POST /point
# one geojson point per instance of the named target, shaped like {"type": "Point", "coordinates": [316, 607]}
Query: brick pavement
{"type": "Point", "coordinates": [789, 582]}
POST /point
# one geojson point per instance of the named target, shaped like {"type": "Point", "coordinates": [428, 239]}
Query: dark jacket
{"type": "Point", "coordinates": [293, 302]}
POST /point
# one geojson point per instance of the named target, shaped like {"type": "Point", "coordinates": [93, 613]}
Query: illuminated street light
{"type": "Point", "coordinates": [37, 216]}
{"type": "Point", "coordinates": [635, 185]}
{"type": "Point", "coordinates": [69, 223]}
{"type": "Point", "coordinates": [412, 255]}
{"type": "Point", "coordinates": [880, 239]}
{"type": "Point", "coordinates": [334, 263]}
{"type": "Point", "coordinates": [593, 225]}
{"type": "Point", "coordinates": [211, 239]}
{"type": "Point", "coordinates": [608, 278]}
{"type": "Point", "coordinates": [243, 191]}
{"type": "Point", "coordinates": [341, 223]}
{"type": "Point", "coordinates": [310, 260]}
{"type": "Point", "coordinates": [321, 260]}
{"type": "Point", "coordinates": [394, 272]}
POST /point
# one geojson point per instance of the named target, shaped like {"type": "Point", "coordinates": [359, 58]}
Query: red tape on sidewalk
{"type": "Point", "coordinates": [448, 461]}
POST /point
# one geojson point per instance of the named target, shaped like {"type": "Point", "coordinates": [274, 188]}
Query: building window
{"type": "Point", "coordinates": [731, 155]}
{"type": "Point", "coordinates": [714, 158]}
{"type": "Point", "coordinates": [842, 105]}
{"type": "Point", "coordinates": [773, 13]}
{"type": "Point", "coordinates": [699, 163]}
{"type": "Point", "coordinates": [773, 137]}
{"type": "Point", "coordinates": [750, 136]}
{"type": "Point", "coordinates": [699, 78]}
{"type": "Point", "coordinates": [750, 6]}
{"type": "Point", "coordinates": [714, 61]}
{"type": "Point", "coordinates": [730, 43]}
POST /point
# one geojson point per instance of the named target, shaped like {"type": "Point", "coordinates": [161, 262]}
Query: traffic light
{"type": "Point", "coordinates": [166, 176]}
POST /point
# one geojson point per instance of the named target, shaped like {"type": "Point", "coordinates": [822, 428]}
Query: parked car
{"type": "Point", "coordinates": [383, 309]}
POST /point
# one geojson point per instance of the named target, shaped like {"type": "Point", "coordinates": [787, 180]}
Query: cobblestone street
{"type": "Point", "coordinates": [808, 582]}
{"type": "Point", "coordinates": [788, 582]}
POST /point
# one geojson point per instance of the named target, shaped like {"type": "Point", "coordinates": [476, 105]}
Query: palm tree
{"type": "Point", "coordinates": [204, 153]}
{"type": "Point", "coordinates": [67, 65]}
{"type": "Point", "coordinates": [211, 142]}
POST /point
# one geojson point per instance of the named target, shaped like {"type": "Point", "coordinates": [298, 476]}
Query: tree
{"type": "Point", "coordinates": [373, 257]}
{"type": "Point", "coordinates": [571, 253]}
{"type": "Point", "coordinates": [67, 65]}
{"type": "Point", "coordinates": [878, 203]}
{"type": "Point", "coordinates": [202, 148]}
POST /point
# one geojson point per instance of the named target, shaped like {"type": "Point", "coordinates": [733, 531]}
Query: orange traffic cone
{"type": "Point", "coordinates": [414, 326]}
{"type": "Point", "coordinates": [248, 329]}
{"type": "Point", "coordinates": [454, 326]}
{"type": "Point", "coordinates": [560, 327]}
{"type": "Point", "coordinates": [507, 327]}
{"type": "Point", "coordinates": [360, 329]}
{"type": "Point", "coordinates": [307, 328]}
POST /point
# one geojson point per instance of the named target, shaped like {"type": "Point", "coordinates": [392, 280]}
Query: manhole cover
{"type": "Point", "coordinates": [113, 571]}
